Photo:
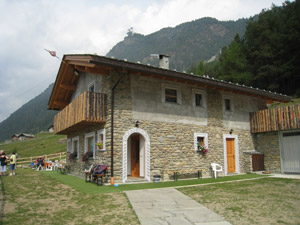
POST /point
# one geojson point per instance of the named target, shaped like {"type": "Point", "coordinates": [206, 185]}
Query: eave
{"type": "Point", "coordinates": [66, 80]}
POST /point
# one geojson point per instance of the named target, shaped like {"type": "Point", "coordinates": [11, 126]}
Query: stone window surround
{"type": "Point", "coordinates": [86, 136]}
{"type": "Point", "coordinates": [230, 97]}
{"type": "Point", "coordinates": [203, 135]}
{"type": "Point", "coordinates": [173, 87]}
{"type": "Point", "coordinates": [99, 132]}
{"type": "Point", "coordinates": [73, 140]}
{"type": "Point", "coordinates": [203, 94]}
{"type": "Point", "coordinates": [69, 145]}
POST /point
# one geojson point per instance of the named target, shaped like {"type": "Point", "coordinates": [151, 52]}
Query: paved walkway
{"type": "Point", "coordinates": [167, 206]}
{"type": "Point", "coordinates": [283, 175]}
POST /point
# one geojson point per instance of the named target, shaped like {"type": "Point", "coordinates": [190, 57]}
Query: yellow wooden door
{"type": "Point", "coordinates": [230, 155]}
{"type": "Point", "coordinates": [135, 156]}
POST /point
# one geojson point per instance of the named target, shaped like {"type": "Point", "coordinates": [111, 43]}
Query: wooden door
{"type": "Point", "coordinates": [230, 155]}
{"type": "Point", "coordinates": [135, 156]}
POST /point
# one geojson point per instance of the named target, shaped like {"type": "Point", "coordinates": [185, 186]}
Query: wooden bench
{"type": "Point", "coordinates": [89, 177]}
{"type": "Point", "coordinates": [176, 174]}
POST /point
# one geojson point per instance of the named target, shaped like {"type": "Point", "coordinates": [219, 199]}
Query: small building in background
{"type": "Point", "coordinates": [22, 137]}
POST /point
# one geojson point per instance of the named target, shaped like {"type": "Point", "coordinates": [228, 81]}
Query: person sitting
{"type": "Point", "coordinates": [40, 163]}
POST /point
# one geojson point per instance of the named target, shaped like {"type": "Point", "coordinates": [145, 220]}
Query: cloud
{"type": "Point", "coordinates": [78, 26]}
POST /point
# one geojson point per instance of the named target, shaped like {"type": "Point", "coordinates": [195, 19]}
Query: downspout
{"type": "Point", "coordinates": [112, 127]}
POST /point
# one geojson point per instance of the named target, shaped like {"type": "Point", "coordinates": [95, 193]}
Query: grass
{"type": "Point", "coordinates": [260, 201]}
{"type": "Point", "coordinates": [32, 197]}
{"type": "Point", "coordinates": [90, 188]}
{"type": "Point", "coordinates": [43, 144]}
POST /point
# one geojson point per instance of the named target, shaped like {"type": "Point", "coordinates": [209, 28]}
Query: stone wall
{"type": "Point", "coordinates": [268, 144]}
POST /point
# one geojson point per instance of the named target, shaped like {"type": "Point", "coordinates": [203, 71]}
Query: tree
{"type": "Point", "coordinates": [272, 46]}
{"type": "Point", "coordinates": [233, 64]}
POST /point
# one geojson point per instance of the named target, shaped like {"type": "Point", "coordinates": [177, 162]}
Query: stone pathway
{"type": "Point", "coordinates": [168, 206]}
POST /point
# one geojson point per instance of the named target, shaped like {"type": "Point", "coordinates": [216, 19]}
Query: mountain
{"type": "Point", "coordinates": [186, 44]}
{"type": "Point", "coordinates": [32, 117]}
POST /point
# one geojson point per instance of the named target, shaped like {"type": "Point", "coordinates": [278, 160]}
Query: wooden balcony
{"type": "Point", "coordinates": [282, 118]}
{"type": "Point", "coordinates": [86, 110]}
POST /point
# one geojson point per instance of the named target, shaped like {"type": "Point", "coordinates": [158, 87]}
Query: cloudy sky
{"type": "Point", "coordinates": [90, 26]}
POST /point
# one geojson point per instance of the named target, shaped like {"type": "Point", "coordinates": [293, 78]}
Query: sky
{"type": "Point", "coordinates": [27, 27]}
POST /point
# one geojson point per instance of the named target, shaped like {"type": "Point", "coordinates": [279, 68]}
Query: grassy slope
{"type": "Point", "coordinates": [43, 144]}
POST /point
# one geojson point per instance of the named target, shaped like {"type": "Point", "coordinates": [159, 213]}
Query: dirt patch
{"type": "Point", "coordinates": [262, 201]}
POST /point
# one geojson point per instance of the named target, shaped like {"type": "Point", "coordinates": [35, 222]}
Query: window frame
{"type": "Point", "coordinates": [171, 87]}
{"type": "Point", "coordinates": [203, 98]}
{"type": "Point", "coordinates": [93, 83]}
{"type": "Point", "coordinates": [230, 98]}
{"type": "Point", "coordinates": [99, 133]}
{"type": "Point", "coordinates": [74, 139]}
{"type": "Point", "coordinates": [69, 145]}
{"type": "Point", "coordinates": [202, 135]}
{"type": "Point", "coordinates": [86, 138]}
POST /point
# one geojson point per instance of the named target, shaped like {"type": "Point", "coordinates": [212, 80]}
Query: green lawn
{"type": "Point", "coordinates": [91, 188]}
{"type": "Point", "coordinates": [35, 197]}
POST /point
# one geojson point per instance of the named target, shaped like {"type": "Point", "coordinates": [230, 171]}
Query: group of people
{"type": "Point", "coordinates": [3, 163]}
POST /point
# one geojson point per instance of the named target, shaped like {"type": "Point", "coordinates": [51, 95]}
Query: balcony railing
{"type": "Point", "coordinates": [282, 118]}
{"type": "Point", "coordinates": [87, 109]}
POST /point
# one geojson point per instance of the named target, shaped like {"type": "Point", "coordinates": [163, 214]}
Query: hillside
{"type": "Point", "coordinates": [32, 117]}
{"type": "Point", "coordinates": [43, 144]}
{"type": "Point", "coordinates": [186, 44]}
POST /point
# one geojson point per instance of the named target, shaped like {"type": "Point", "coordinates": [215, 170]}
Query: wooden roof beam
{"type": "Point", "coordinates": [80, 63]}
{"type": "Point", "coordinates": [68, 87]}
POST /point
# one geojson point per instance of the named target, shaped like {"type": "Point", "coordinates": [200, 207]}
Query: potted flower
{"type": "Point", "coordinates": [202, 148]}
{"type": "Point", "coordinates": [72, 155]}
{"type": "Point", "coordinates": [86, 156]}
{"type": "Point", "coordinates": [99, 145]}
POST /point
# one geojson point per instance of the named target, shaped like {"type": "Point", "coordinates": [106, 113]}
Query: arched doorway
{"type": "Point", "coordinates": [136, 154]}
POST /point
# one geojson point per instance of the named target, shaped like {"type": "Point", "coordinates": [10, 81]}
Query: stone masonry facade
{"type": "Point", "coordinates": [172, 144]}
{"type": "Point", "coordinates": [268, 144]}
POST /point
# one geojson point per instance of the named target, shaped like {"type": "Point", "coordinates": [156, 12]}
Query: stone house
{"type": "Point", "coordinates": [151, 120]}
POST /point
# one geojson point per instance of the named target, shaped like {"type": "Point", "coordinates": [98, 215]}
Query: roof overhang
{"type": "Point", "coordinates": [66, 79]}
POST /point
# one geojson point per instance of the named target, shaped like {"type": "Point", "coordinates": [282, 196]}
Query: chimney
{"type": "Point", "coordinates": [164, 61]}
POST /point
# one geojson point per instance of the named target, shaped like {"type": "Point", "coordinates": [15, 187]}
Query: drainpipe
{"type": "Point", "coordinates": [112, 126]}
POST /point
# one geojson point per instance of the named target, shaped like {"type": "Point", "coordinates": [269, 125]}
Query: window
{"type": "Point", "coordinates": [90, 143]}
{"type": "Point", "coordinates": [101, 140]}
{"type": "Point", "coordinates": [91, 87]}
{"type": "Point", "coordinates": [227, 104]}
{"type": "Point", "coordinates": [75, 146]}
{"type": "Point", "coordinates": [199, 98]}
{"type": "Point", "coordinates": [200, 138]}
{"type": "Point", "coordinates": [171, 94]}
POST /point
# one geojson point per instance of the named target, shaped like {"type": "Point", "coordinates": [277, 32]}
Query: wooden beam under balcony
{"type": "Point", "coordinates": [88, 109]}
{"type": "Point", "coordinates": [277, 119]}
